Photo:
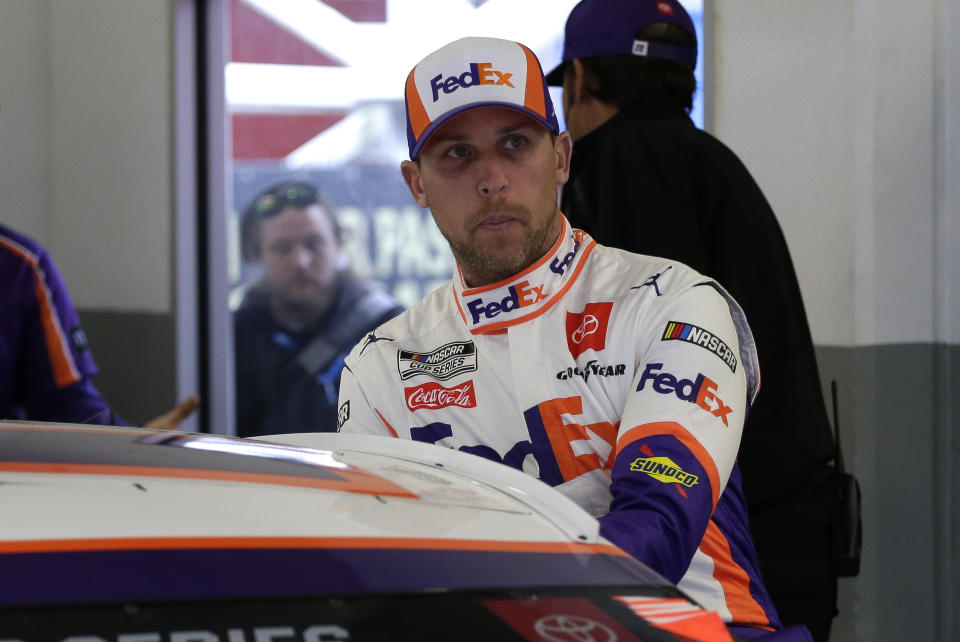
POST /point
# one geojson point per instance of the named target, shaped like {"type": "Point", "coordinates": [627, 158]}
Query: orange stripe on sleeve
{"type": "Point", "coordinates": [387, 424]}
{"type": "Point", "coordinates": [65, 372]}
{"type": "Point", "coordinates": [734, 580]}
{"type": "Point", "coordinates": [689, 441]}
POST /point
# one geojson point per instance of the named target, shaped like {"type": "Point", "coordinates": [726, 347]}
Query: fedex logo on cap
{"type": "Point", "coordinates": [479, 73]}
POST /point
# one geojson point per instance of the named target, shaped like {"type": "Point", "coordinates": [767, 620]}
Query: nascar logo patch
{"type": "Point", "coordinates": [445, 362]}
{"type": "Point", "coordinates": [689, 333]}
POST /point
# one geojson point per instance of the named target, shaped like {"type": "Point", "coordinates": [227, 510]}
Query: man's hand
{"type": "Point", "coordinates": [171, 420]}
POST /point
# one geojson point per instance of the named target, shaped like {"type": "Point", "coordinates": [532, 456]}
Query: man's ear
{"type": "Point", "coordinates": [563, 150]}
{"type": "Point", "coordinates": [578, 84]}
{"type": "Point", "coordinates": [413, 177]}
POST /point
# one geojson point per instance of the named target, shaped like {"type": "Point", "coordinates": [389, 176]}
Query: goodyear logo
{"type": "Point", "coordinates": [478, 73]}
{"type": "Point", "coordinates": [663, 469]}
{"type": "Point", "coordinates": [689, 333]}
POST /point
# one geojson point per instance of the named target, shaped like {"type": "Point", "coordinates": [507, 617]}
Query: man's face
{"type": "Point", "coordinates": [300, 255]}
{"type": "Point", "coordinates": [490, 178]}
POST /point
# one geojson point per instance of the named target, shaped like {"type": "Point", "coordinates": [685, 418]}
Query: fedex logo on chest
{"type": "Point", "coordinates": [478, 73]}
{"type": "Point", "coordinates": [519, 296]}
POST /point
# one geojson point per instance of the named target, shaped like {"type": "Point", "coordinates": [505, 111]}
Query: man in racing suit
{"type": "Point", "coordinates": [621, 380]}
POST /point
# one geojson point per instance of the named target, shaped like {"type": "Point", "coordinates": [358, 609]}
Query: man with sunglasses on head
{"type": "Point", "coordinates": [621, 380]}
{"type": "Point", "coordinates": [296, 324]}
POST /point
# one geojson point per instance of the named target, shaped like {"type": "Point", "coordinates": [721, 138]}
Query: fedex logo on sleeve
{"type": "Point", "coordinates": [700, 391]}
{"type": "Point", "coordinates": [479, 73]}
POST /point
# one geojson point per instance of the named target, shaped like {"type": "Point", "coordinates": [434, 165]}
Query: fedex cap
{"type": "Point", "coordinates": [597, 28]}
{"type": "Point", "coordinates": [474, 72]}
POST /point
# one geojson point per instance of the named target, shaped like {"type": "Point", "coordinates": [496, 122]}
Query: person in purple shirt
{"type": "Point", "coordinates": [46, 367]}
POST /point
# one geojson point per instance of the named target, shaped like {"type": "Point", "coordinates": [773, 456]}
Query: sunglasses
{"type": "Point", "coordinates": [292, 195]}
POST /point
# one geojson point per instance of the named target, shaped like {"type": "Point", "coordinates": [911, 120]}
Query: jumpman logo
{"type": "Point", "coordinates": [373, 338]}
{"type": "Point", "coordinates": [652, 281]}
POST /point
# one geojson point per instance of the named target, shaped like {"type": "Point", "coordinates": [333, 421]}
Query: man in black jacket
{"type": "Point", "coordinates": [645, 179]}
{"type": "Point", "coordinates": [298, 322]}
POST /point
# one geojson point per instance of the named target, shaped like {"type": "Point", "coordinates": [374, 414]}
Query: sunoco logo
{"type": "Point", "coordinates": [433, 396]}
{"type": "Point", "coordinates": [443, 363]}
{"type": "Point", "coordinates": [665, 470]}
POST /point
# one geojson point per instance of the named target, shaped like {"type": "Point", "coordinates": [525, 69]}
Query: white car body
{"type": "Point", "coordinates": [130, 535]}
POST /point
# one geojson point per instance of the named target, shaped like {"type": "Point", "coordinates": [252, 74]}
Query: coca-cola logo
{"type": "Point", "coordinates": [433, 396]}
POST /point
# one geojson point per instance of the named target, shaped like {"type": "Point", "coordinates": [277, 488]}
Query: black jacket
{"type": "Point", "coordinates": [274, 392]}
{"type": "Point", "coordinates": [650, 182]}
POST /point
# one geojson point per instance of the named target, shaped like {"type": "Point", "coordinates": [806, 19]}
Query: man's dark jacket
{"type": "Point", "coordinates": [650, 182]}
{"type": "Point", "coordinates": [274, 392]}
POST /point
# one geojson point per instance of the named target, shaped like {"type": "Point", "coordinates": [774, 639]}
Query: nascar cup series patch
{"type": "Point", "coordinates": [443, 363]}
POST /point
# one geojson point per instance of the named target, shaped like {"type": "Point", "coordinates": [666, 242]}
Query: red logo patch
{"type": "Point", "coordinates": [588, 329]}
{"type": "Point", "coordinates": [433, 396]}
{"type": "Point", "coordinates": [665, 8]}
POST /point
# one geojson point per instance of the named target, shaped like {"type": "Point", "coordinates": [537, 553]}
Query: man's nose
{"type": "Point", "coordinates": [303, 256]}
{"type": "Point", "coordinates": [493, 177]}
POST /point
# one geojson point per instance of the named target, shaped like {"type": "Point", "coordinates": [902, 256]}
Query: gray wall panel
{"type": "Point", "coordinates": [135, 353]}
{"type": "Point", "coordinates": [894, 424]}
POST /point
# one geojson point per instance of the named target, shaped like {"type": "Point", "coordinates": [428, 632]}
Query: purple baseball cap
{"type": "Point", "coordinates": [597, 28]}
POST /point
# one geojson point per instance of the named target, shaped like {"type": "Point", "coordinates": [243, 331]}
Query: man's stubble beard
{"type": "Point", "coordinates": [496, 268]}
{"type": "Point", "coordinates": [299, 311]}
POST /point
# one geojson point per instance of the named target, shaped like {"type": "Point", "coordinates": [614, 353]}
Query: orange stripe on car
{"type": "Point", "coordinates": [168, 543]}
{"type": "Point", "coordinates": [353, 481]}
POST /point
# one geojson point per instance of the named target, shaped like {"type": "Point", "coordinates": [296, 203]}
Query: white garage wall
{"type": "Point", "coordinates": [833, 108]}
{"type": "Point", "coordinates": [24, 117]}
{"type": "Point", "coordinates": [110, 151]}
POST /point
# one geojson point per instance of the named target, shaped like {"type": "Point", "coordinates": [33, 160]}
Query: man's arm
{"type": "Point", "coordinates": [355, 413]}
{"type": "Point", "coordinates": [679, 434]}
{"type": "Point", "coordinates": [56, 367]}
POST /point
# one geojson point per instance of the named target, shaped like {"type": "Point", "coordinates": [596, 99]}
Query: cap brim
{"type": "Point", "coordinates": [555, 77]}
{"type": "Point", "coordinates": [549, 125]}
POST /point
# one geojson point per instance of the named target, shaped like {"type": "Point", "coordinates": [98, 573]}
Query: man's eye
{"type": "Point", "coordinates": [281, 248]}
{"type": "Point", "coordinates": [457, 151]}
{"type": "Point", "coordinates": [515, 141]}
{"type": "Point", "coordinates": [314, 243]}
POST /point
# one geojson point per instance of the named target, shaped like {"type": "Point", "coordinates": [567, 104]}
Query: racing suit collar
{"type": "Point", "coordinates": [528, 294]}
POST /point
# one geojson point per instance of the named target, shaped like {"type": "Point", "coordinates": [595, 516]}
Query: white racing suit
{"type": "Point", "coordinates": [621, 380]}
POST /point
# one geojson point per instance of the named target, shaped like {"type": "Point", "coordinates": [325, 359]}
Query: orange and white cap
{"type": "Point", "coordinates": [474, 72]}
